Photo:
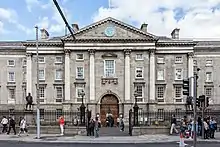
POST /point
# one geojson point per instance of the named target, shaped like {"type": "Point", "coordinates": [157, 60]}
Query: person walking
{"type": "Point", "coordinates": [62, 123]}
{"type": "Point", "coordinates": [23, 126]}
{"type": "Point", "coordinates": [173, 125]}
{"type": "Point", "coordinates": [4, 123]}
{"type": "Point", "coordinates": [97, 126]}
{"type": "Point", "coordinates": [11, 125]}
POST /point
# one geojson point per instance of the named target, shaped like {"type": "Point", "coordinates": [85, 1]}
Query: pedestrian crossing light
{"type": "Point", "coordinates": [186, 87]}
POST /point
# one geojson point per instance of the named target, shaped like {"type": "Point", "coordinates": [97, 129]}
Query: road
{"type": "Point", "coordinates": [23, 144]}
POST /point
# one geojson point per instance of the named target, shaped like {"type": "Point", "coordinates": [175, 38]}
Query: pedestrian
{"type": "Point", "coordinates": [213, 128]}
{"type": "Point", "coordinates": [11, 125]}
{"type": "Point", "coordinates": [173, 125]}
{"type": "Point", "coordinates": [121, 124]}
{"type": "Point", "coordinates": [62, 123]}
{"type": "Point", "coordinates": [97, 127]}
{"type": "Point", "coordinates": [23, 127]}
{"type": "Point", "coordinates": [91, 127]}
{"type": "Point", "coordinates": [4, 123]}
{"type": "Point", "coordinates": [206, 129]}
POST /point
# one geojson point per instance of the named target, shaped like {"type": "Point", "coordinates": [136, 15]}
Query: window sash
{"type": "Point", "coordinates": [208, 91]}
{"type": "Point", "coordinates": [208, 77]}
{"type": "Point", "coordinates": [41, 59]}
{"type": "Point", "coordinates": [160, 75]}
{"type": "Point", "coordinates": [178, 92]}
{"type": "Point", "coordinates": [139, 90]}
{"type": "Point", "coordinates": [179, 74]}
{"type": "Point", "coordinates": [160, 92]}
{"type": "Point", "coordinates": [109, 68]}
{"type": "Point", "coordinates": [59, 74]}
{"type": "Point", "coordinates": [59, 92]}
{"type": "Point", "coordinates": [59, 59]}
{"type": "Point", "coordinates": [80, 72]}
{"type": "Point", "coordinates": [41, 92]}
{"type": "Point", "coordinates": [11, 76]}
{"type": "Point", "coordinates": [41, 74]}
{"type": "Point", "coordinates": [160, 60]}
{"type": "Point", "coordinates": [178, 59]}
{"type": "Point", "coordinates": [139, 56]}
{"type": "Point", "coordinates": [139, 72]}
{"type": "Point", "coordinates": [79, 56]}
{"type": "Point", "coordinates": [11, 62]}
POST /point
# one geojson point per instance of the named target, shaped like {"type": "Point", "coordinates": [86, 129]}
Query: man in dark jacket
{"type": "Point", "coordinates": [11, 125]}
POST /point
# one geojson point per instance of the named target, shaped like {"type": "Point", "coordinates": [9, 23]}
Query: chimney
{"type": "Point", "coordinates": [144, 27]}
{"type": "Point", "coordinates": [75, 27]}
{"type": "Point", "coordinates": [175, 33]}
{"type": "Point", "coordinates": [44, 34]}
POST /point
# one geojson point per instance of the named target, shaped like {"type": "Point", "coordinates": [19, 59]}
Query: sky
{"type": "Point", "coordinates": [195, 18]}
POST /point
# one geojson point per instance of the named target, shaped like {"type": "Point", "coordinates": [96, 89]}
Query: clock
{"type": "Point", "coordinates": [110, 31]}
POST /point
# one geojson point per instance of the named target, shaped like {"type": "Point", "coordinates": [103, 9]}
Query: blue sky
{"type": "Point", "coordinates": [196, 19]}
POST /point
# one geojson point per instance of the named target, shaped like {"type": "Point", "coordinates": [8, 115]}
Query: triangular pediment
{"type": "Point", "coordinates": [111, 29]}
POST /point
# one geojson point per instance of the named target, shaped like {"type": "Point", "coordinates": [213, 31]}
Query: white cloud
{"type": "Point", "coordinates": [200, 21]}
{"type": "Point", "coordinates": [31, 3]}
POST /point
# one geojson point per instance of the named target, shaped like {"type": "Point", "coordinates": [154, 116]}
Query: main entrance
{"type": "Point", "coordinates": [109, 104]}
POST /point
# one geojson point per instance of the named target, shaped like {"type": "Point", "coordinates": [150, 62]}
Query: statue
{"type": "Point", "coordinates": [29, 100]}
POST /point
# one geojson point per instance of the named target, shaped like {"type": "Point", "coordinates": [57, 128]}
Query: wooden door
{"type": "Point", "coordinates": [109, 103]}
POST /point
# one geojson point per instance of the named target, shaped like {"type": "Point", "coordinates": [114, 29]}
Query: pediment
{"type": "Point", "coordinates": [111, 29]}
{"type": "Point", "coordinates": [109, 55]}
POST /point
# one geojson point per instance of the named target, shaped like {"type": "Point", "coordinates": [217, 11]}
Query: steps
{"type": "Point", "coordinates": [113, 131]}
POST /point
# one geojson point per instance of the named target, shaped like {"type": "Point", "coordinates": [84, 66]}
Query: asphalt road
{"type": "Point", "coordinates": [22, 144]}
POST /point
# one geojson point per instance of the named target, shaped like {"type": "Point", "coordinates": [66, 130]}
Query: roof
{"type": "Point", "coordinates": [11, 45]}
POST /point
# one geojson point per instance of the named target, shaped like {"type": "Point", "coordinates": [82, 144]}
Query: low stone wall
{"type": "Point", "coordinates": [142, 130]}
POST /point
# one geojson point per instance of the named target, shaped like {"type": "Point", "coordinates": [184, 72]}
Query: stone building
{"type": "Point", "coordinates": [109, 60]}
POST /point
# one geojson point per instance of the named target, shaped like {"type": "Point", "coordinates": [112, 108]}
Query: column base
{"type": "Point", "coordinates": [29, 116]}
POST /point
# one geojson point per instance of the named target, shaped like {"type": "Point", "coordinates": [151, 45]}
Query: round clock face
{"type": "Point", "coordinates": [110, 31]}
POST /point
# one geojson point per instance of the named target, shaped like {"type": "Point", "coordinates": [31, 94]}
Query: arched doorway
{"type": "Point", "coordinates": [109, 103]}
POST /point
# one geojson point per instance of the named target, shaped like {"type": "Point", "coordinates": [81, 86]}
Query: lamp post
{"type": "Point", "coordinates": [82, 110]}
{"type": "Point", "coordinates": [37, 91]}
{"type": "Point", "coordinates": [135, 108]}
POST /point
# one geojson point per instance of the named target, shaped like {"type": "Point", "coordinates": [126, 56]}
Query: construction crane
{"type": "Point", "coordinates": [64, 19]}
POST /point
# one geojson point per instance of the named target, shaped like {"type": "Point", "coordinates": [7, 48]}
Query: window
{"type": "Point", "coordinates": [11, 76]}
{"type": "Point", "coordinates": [11, 62]}
{"type": "Point", "coordinates": [42, 114]}
{"type": "Point", "coordinates": [178, 93]}
{"type": "Point", "coordinates": [59, 59]}
{"type": "Point", "coordinates": [41, 59]}
{"type": "Point", "coordinates": [208, 63]}
{"type": "Point", "coordinates": [160, 93]}
{"type": "Point", "coordinates": [139, 72]}
{"type": "Point", "coordinates": [194, 63]}
{"type": "Point", "coordinates": [41, 74]}
{"type": "Point", "coordinates": [109, 68]}
{"type": "Point", "coordinates": [59, 74]}
{"type": "Point", "coordinates": [208, 91]}
{"type": "Point", "coordinates": [208, 77]}
{"type": "Point", "coordinates": [178, 59]}
{"type": "Point", "coordinates": [160, 74]}
{"type": "Point", "coordinates": [139, 56]}
{"type": "Point", "coordinates": [78, 94]}
{"type": "Point", "coordinates": [79, 72]}
{"type": "Point", "coordinates": [59, 112]}
{"type": "Point", "coordinates": [12, 93]}
{"type": "Point", "coordinates": [178, 74]}
{"type": "Point", "coordinates": [41, 93]}
{"type": "Point", "coordinates": [79, 56]}
{"type": "Point", "coordinates": [24, 62]}
{"type": "Point", "coordinates": [160, 60]}
{"type": "Point", "coordinates": [24, 76]}
{"type": "Point", "coordinates": [59, 94]}
{"type": "Point", "coordinates": [139, 89]}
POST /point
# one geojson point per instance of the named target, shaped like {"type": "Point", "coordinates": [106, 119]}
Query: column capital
{"type": "Point", "coordinates": [29, 54]}
{"type": "Point", "coordinates": [152, 52]}
{"type": "Point", "coordinates": [67, 52]}
{"type": "Point", "coordinates": [91, 51]}
{"type": "Point", "coordinates": [127, 52]}
{"type": "Point", "coordinates": [191, 54]}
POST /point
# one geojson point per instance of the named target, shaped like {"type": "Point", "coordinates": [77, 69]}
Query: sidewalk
{"type": "Point", "coordinates": [52, 138]}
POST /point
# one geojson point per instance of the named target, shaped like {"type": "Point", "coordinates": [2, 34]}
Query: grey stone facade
{"type": "Point", "coordinates": [93, 37]}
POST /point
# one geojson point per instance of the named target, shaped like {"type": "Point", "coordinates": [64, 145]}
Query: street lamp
{"type": "Point", "coordinates": [136, 108]}
{"type": "Point", "coordinates": [82, 109]}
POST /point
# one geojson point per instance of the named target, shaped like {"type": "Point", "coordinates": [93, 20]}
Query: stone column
{"type": "Point", "coordinates": [127, 75]}
{"type": "Point", "coordinates": [152, 75]}
{"type": "Point", "coordinates": [92, 75]}
{"type": "Point", "coordinates": [67, 75]}
{"type": "Point", "coordinates": [29, 74]}
{"type": "Point", "coordinates": [191, 72]}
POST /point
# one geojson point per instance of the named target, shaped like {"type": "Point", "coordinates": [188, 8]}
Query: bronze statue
{"type": "Point", "coordinates": [29, 100]}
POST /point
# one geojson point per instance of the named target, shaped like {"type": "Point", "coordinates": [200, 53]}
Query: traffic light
{"type": "Point", "coordinates": [202, 100]}
{"type": "Point", "coordinates": [207, 102]}
{"type": "Point", "coordinates": [186, 87]}
{"type": "Point", "coordinates": [198, 103]}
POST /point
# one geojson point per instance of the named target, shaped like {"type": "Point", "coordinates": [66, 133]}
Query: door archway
{"type": "Point", "coordinates": [110, 103]}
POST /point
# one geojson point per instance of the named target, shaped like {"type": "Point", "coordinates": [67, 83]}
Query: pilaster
{"type": "Point", "coordinates": [191, 72]}
{"type": "Point", "coordinates": [29, 73]}
{"type": "Point", "coordinates": [67, 75]}
{"type": "Point", "coordinates": [92, 75]}
{"type": "Point", "coordinates": [152, 75]}
{"type": "Point", "coordinates": [127, 75]}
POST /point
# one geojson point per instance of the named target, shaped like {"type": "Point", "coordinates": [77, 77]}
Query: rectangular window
{"type": "Point", "coordinates": [208, 62]}
{"type": "Point", "coordinates": [160, 60]}
{"type": "Point", "coordinates": [139, 72]}
{"type": "Point", "coordinates": [208, 77]}
{"type": "Point", "coordinates": [42, 114]}
{"type": "Point", "coordinates": [12, 93]}
{"type": "Point", "coordinates": [11, 62]}
{"type": "Point", "coordinates": [79, 72]}
{"type": "Point", "coordinates": [59, 112]}
{"type": "Point", "coordinates": [41, 74]}
{"type": "Point", "coordinates": [79, 57]}
{"type": "Point", "coordinates": [109, 68]}
{"type": "Point", "coordinates": [160, 93]}
{"type": "Point", "coordinates": [160, 74]}
{"type": "Point", "coordinates": [79, 90]}
{"type": "Point", "coordinates": [208, 91]}
{"type": "Point", "coordinates": [59, 94]}
{"type": "Point", "coordinates": [178, 93]}
{"type": "Point", "coordinates": [59, 59]}
{"type": "Point", "coordinates": [178, 59]}
{"type": "Point", "coordinates": [139, 90]}
{"type": "Point", "coordinates": [11, 76]}
{"type": "Point", "coordinates": [41, 59]}
{"type": "Point", "coordinates": [42, 93]}
{"type": "Point", "coordinates": [179, 74]}
{"type": "Point", "coordinates": [59, 74]}
{"type": "Point", "coordinates": [139, 57]}
{"type": "Point", "coordinates": [24, 62]}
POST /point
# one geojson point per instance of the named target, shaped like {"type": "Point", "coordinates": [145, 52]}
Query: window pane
{"type": "Point", "coordinates": [80, 72]}
{"type": "Point", "coordinates": [139, 91]}
{"type": "Point", "coordinates": [59, 92]}
{"type": "Point", "coordinates": [11, 77]}
{"type": "Point", "coordinates": [139, 72]}
{"type": "Point", "coordinates": [41, 74]}
{"type": "Point", "coordinates": [160, 75]}
{"type": "Point", "coordinates": [178, 92]}
{"type": "Point", "coordinates": [59, 74]}
{"type": "Point", "coordinates": [79, 56]}
{"type": "Point", "coordinates": [109, 68]}
{"type": "Point", "coordinates": [41, 92]}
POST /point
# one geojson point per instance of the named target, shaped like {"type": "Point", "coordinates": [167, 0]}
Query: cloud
{"type": "Point", "coordinates": [31, 3]}
{"type": "Point", "coordinates": [197, 18]}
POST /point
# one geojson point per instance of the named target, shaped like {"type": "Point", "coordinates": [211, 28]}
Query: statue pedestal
{"type": "Point", "coordinates": [29, 116]}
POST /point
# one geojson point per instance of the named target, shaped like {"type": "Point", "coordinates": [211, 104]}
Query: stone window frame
{"type": "Point", "coordinates": [77, 57]}
{"type": "Point", "coordinates": [138, 56]}
{"type": "Point", "coordinates": [57, 61]}
{"type": "Point", "coordinates": [42, 95]}
{"type": "Point", "coordinates": [163, 75]}
{"type": "Point", "coordinates": [41, 59]}
{"type": "Point", "coordinates": [78, 97]}
{"type": "Point", "coordinates": [179, 98]}
{"type": "Point", "coordinates": [210, 89]}
{"type": "Point", "coordinates": [181, 74]}
{"type": "Point", "coordinates": [77, 72]}
{"type": "Point", "coordinates": [11, 96]}
{"type": "Point", "coordinates": [59, 99]}
{"type": "Point", "coordinates": [160, 60]}
{"type": "Point", "coordinates": [114, 66]}
{"type": "Point", "coordinates": [43, 78]}
{"type": "Point", "coordinates": [56, 77]}
{"type": "Point", "coordinates": [9, 76]}
{"type": "Point", "coordinates": [11, 62]}
{"type": "Point", "coordinates": [140, 99]}
{"type": "Point", "coordinates": [209, 77]}
{"type": "Point", "coordinates": [141, 68]}
{"type": "Point", "coordinates": [178, 59]}
{"type": "Point", "coordinates": [209, 62]}
{"type": "Point", "coordinates": [160, 99]}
